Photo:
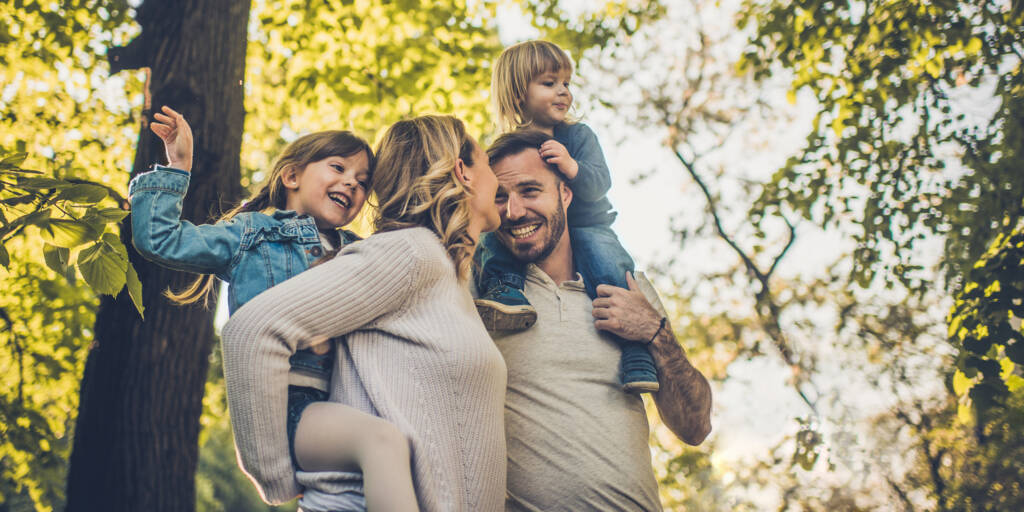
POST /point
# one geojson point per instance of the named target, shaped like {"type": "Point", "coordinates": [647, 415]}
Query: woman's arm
{"type": "Point", "coordinates": [367, 280]}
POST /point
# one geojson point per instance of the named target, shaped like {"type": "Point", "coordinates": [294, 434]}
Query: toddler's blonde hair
{"type": "Point", "coordinates": [513, 71]}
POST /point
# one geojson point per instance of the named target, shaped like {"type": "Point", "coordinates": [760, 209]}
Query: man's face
{"type": "Point", "coordinates": [532, 204]}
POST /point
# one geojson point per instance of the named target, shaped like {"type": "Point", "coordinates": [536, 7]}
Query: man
{"type": "Point", "coordinates": [576, 441]}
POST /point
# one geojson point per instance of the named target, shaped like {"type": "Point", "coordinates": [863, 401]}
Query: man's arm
{"type": "Point", "coordinates": [684, 400]}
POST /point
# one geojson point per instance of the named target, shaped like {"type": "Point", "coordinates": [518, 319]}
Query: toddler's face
{"type": "Point", "coordinates": [548, 98]}
{"type": "Point", "coordinates": [332, 190]}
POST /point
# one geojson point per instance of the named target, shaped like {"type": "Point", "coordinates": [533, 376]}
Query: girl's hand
{"type": "Point", "coordinates": [554, 153]}
{"type": "Point", "coordinates": [171, 127]}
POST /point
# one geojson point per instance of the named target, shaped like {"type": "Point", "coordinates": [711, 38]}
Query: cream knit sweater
{"type": "Point", "coordinates": [416, 346]}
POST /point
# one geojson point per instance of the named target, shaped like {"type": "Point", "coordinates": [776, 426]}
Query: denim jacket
{"type": "Point", "coordinates": [251, 251]}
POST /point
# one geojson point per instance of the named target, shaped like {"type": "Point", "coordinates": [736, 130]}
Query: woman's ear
{"type": "Point", "coordinates": [290, 177]}
{"type": "Point", "coordinates": [461, 173]}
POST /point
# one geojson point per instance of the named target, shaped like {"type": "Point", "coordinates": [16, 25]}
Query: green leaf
{"type": "Point", "coordinates": [977, 346]}
{"type": "Point", "coordinates": [5, 258]}
{"type": "Point", "coordinates": [56, 258]}
{"type": "Point", "coordinates": [68, 233]}
{"type": "Point", "coordinates": [135, 290]}
{"type": "Point", "coordinates": [105, 215]}
{"type": "Point", "coordinates": [1015, 351]}
{"type": "Point", "coordinates": [985, 395]}
{"type": "Point", "coordinates": [40, 218]}
{"type": "Point", "coordinates": [42, 183]}
{"type": "Point", "coordinates": [83, 193]}
{"type": "Point", "coordinates": [961, 384]}
{"type": "Point", "coordinates": [973, 46]}
{"type": "Point", "coordinates": [115, 244]}
{"type": "Point", "coordinates": [16, 200]}
{"type": "Point", "coordinates": [103, 268]}
{"type": "Point", "coordinates": [13, 161]}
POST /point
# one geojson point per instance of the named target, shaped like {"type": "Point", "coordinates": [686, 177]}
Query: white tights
{"type": "Point", "coordinates": [335, 437]}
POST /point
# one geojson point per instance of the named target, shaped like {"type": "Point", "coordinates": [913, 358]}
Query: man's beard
{"type": "Point", "coordinates": [556, 226]}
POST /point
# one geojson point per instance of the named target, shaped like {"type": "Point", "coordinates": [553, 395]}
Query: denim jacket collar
{"type": "Point", "coordinates": [302, 227]}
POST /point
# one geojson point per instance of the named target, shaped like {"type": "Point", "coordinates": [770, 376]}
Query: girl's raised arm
{"type": "Point", "coordinates": [172, 128]}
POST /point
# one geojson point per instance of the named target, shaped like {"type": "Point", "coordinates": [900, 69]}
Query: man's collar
{"type": "Point", "coordinates": [538, 276]}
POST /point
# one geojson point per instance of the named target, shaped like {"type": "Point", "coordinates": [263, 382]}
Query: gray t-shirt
{"type": "Point", "coordinates": [576, 441]}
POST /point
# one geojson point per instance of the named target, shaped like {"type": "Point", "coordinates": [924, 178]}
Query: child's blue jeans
{"type": "Point", "coordinates": [599, 258]}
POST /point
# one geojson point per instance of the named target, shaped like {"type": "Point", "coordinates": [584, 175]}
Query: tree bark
{"type": "Point", "coordinates": [136, 437]}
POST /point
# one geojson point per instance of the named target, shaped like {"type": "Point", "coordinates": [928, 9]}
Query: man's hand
{"type": "Point", "coordinates": [171, 127]}
{"type": "Point", "coordinates": [684, 400]}
{"type": "Point", "coordinates": [625, 313]}
{"type": "Point", "coordinates": [554, 153]}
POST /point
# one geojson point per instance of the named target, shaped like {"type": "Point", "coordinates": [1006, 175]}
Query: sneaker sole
{"type": "Point", "coordinates": [502, 317]}
{"type": "Point", "coordinates": [641, 387]}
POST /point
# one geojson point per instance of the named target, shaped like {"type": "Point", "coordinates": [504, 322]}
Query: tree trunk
{"type": "Point", "coordinates": [136, 437]}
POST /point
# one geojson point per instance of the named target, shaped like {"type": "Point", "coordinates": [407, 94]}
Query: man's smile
{"type": "Point", "coordinates": [522, 231]}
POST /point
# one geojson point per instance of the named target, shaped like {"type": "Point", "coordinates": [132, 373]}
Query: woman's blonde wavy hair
{"type": "Point", "coordinates": [415, 183]}
{"type": "Point", "coordinates": [514, 69]}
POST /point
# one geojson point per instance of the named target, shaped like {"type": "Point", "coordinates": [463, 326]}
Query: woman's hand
{"type": "Point", "coordinates": [172, 128]}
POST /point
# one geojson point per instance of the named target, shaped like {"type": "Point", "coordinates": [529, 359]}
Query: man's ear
{"type": "Point", "coordinates": [566, 193]}
{"type": "Point", "coordinates": [290, 177]}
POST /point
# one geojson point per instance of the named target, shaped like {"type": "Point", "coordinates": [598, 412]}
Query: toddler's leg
{"type": "Point", "coordinates": [502, 305]}
{"type": "Point", "coordinates": [600, 258]}
{"type": "Point", "coordinates": [335, 437]}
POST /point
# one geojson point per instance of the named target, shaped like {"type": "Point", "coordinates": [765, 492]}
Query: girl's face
{"type": "Point", "coordinates": [481, 180]}
{"type": "Point", "coordinates": [548, 99]}
{"type": "Point", "coordinates": [332, 190]}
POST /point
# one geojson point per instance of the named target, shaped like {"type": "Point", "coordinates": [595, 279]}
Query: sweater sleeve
{"type": "Point", "coordinates": [366, 281]}
{"type": "Point", "coordinates": [593, 180]}
{"type": "Point", "coordinates": [160, 235]}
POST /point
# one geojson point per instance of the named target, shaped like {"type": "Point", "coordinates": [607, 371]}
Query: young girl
{"type": "Point", "coordinates": [531, 91]}
{"type": "Point", "coordinates": [318, 184]}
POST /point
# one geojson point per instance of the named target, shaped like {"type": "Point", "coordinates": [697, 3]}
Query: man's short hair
{"type": "Point", "coordinates": [513, 143]}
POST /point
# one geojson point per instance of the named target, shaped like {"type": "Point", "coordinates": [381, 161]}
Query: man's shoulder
{"type": "Point", "coordinates": [649, 291]}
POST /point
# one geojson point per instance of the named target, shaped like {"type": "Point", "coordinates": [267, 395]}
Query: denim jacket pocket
{"type": "Point", "coordinates": [271, 251]}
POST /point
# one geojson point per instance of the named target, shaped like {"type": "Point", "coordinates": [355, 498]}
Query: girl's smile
{"type": "Point", "coordinates": [332, 190]}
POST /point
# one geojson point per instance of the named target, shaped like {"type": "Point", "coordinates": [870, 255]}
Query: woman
{"type": "Point", "coordinates": [415, 352]}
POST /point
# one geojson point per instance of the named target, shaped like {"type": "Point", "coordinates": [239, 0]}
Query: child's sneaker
{"type": "Point", "coordinates": [504, 308]}
{"type": "Point", "coordinates": [638, 372]}
{"type": "Point", "coordinates": [641, 386]}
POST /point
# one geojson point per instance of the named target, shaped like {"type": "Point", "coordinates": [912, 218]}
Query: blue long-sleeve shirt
{"type": "Point", "coordinates": [590, 205]}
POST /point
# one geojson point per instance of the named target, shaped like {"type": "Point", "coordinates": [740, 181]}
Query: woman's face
{"type": "Point", "coordinates": [481, 180]}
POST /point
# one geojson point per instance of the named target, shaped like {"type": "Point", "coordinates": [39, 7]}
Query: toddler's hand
{"type": "Point", "coordinates": [554, 153]}
{"type": "Point", "coordinates": [171, 127]}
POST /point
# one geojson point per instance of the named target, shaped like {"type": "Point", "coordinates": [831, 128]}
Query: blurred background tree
{"type": "Point", "coordinates": [827, 256]}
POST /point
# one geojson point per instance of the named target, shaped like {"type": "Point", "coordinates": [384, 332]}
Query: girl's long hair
{"type": "Point", "coordinates": [415, 183]}
{"type": "Point", "coordinates": [299, 153]}
{"type": "Point", "coordinates": [514, 69]}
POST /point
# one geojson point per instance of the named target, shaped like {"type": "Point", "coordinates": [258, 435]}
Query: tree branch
{"type": "Point", "coordinates": [134, 55]}
{"type": "Point", "coordinates": [767, 310]}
